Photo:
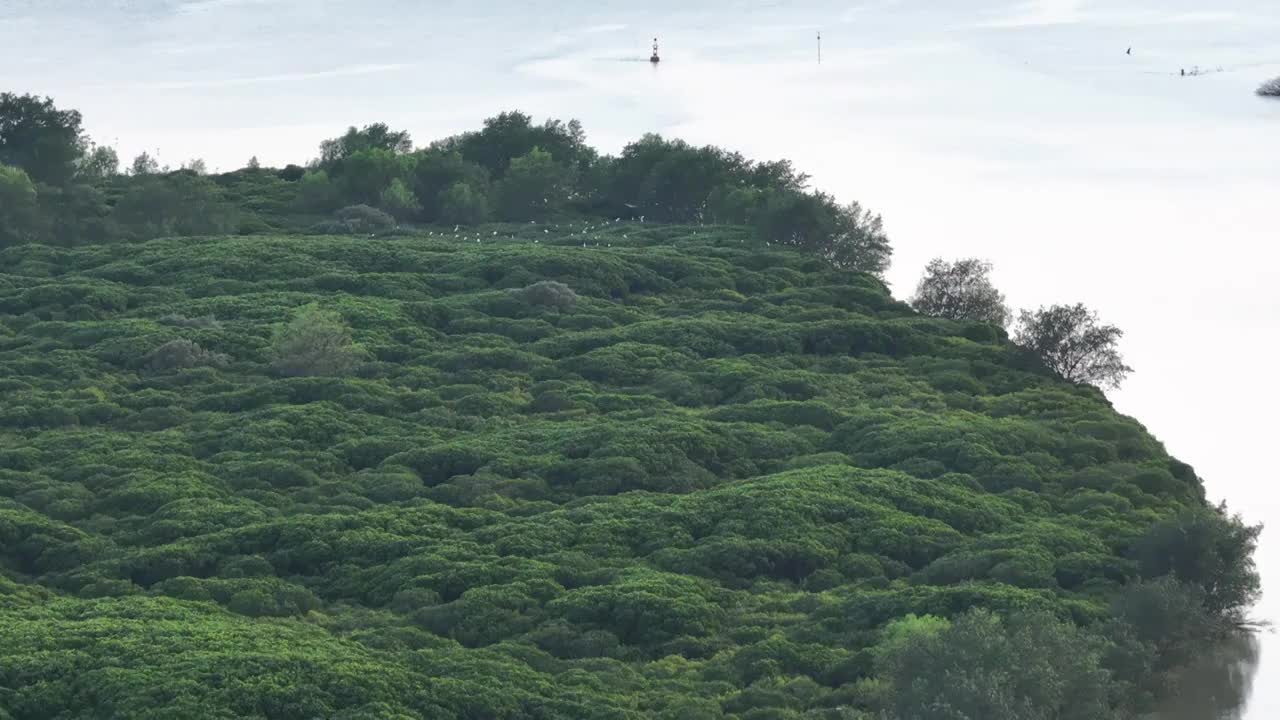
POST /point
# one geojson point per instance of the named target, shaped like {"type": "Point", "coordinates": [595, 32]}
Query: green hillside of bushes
{"type": "Point", "coordinates": [533, 471]}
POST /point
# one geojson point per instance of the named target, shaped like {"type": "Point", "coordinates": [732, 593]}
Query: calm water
{"type": "Point", "coordinates": [1016, 131]}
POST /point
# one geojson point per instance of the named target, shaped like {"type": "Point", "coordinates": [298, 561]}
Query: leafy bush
{"type": "Point", "coordinates": [364, 219]}
{"type": "Point", "coordinates": [315, 342]}
{"type": "Point", "coordinates": [204, 322]}
{"type": "Point", "coordinates": [1270, 88]}
{"type": "Point", "coordinates": [549, 294]}
{"type": "Point", "coordinates": [181, 354]}
{"type": "Point", "coordinates": [18, 206]}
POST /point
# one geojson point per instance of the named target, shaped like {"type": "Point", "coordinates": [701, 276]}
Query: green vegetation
{"type": "Point", "coordinates": [372, 179]}
{"type": "Point", "coordinates": [1070, 340]}
{"type": "Point", "coordinates": [564, 467]}
{"type": "Point", "coordinates": [960, 290]}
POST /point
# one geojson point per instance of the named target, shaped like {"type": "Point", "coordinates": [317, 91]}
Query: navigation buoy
{"type": "Point", "coordinates": [654, 57]}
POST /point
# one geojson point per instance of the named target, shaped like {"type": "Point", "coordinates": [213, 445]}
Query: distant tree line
{"type": "Point", "coordinates": [59, 188]}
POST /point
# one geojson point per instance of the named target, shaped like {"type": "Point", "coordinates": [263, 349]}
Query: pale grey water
{"type": "Point", "coordinates": [1016, 131]}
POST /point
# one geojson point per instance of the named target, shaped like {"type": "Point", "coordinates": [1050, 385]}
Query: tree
{"type": "Point", "coordinates": [100, 163]}
{"type": "Point", "coordinates": [377, 136]}
{"type": "Point", "coordinates": [1070, 340]}
{"type": "Point", "coordinates": [144, 164]}
{"type": "Point", "coordinates": [848, 237]}
{"type": "Point", "coordinates": [1209, 548]}
{"type": "Point", "coordinates": [435, 176]}
{"type": "Point", "coordinates": [536, 186]}
{"type": "Point", "coordinates": [1030, 667]}
{"type": "Point", "coordinates": [1270, 88]}
{"type": "Point", "coordinates": [76, 214]}
{"type": "Point", "coordinates": [461, 203]}
{"type": "Point", "coordinates": [39, 138]}
{"type": "Point", "coordinates": [179, 204]}
{"type": "Point", "coordinates": [398, 200]}
{"type": "Point", "coordinates": [196, 166]}
{"type": "Point", "coordinates": [960, 290]}
{"type": "Point", "coordinates": [677, 187]}
{"type": "Point", "coordinates": [315, 342]}
{"type": "Point", "coordinates": [18, 206]}
{"type": "Point", "coordinates": [859, 242]}
{"type": "Point", "coordinates": [253, 163]}
{"type": "Point", "coordinates": [511, 135]}
{"type": "Point", "coordinates": [317, 192]}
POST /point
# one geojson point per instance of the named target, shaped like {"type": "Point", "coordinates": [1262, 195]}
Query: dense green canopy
{"type": "Point", "coordinates": [634, 471]}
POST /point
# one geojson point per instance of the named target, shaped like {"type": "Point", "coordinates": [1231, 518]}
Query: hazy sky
{"type": "Point", "coordinates": [1016, 131]}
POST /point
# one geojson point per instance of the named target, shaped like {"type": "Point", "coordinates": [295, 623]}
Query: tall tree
{"type": "Point", "coordinates": [39, 138]}
{"type": "Point", "coordinates": [960, 290]}
{"type": "Point", "coordinates": [1074, 344]}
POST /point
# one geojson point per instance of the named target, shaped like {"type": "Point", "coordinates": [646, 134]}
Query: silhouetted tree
{"type": "Point", "coordinates": [1072, 342]}
{"type": "Point", "coordinates": [960, 290]}
{"type": "Point", "coordinates": [1270, 88]}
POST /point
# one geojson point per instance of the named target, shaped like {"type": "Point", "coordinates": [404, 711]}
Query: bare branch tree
{"type": "Point", "coordinates": [1071, 341]}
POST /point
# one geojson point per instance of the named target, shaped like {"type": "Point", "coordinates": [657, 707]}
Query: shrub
{"type": "Point", "coordinates": [17, 206]}
{"type": "Point", "coordinates": [550, 294]}
{"type": "Point", "coordinates": [364, 219]}
{"type": "Point", "coordinates": [315, 342]}
{"type": "Point", "coordinates": [1270, 88]}
{"type": "Point", "coordinates": [180, 320]}
{"type": "Point", "coordinates": [179, 354]}
{"type": "Point", "coordinates": [291, 173]}
{"type": "Point", "coordinates": [179, 204]}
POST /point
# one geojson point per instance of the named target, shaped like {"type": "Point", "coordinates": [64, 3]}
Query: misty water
{"type": "Point", "coordinates": [1021, 132]}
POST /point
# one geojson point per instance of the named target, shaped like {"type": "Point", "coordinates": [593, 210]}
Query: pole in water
{"type": "Point", "coordinates": [654, 57]}
{"type": "Point", "coordinates": [819, 47]}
